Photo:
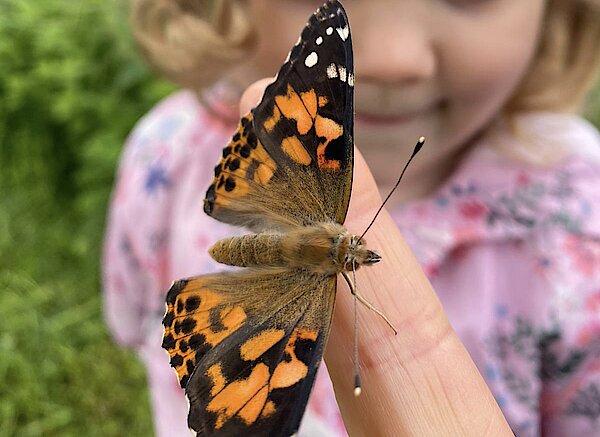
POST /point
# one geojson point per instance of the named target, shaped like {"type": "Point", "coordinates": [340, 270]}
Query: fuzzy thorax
{"type": "Point", "coordinates": [326, 248]}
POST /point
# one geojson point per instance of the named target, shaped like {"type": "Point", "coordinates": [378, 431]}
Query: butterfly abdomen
{"type": "Point", "coordinates": [321, 248]}
{"type": "Point", "coordinates": [249, 250]}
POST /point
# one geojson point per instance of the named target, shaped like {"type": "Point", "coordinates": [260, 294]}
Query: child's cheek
{"type": "Point", "coordinates": [482, 66]}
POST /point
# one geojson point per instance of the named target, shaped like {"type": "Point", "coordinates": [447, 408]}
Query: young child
{"type": "Point", "coordinates": [501, 208]}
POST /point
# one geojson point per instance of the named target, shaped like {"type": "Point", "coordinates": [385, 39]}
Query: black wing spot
{"type": "Point", "coordinates": [189, 364]}
{"type": "Point", "coordinates": [245, 151]}
{"type": "Point", "coordinates": [229, 184]}
{"type": "Point", "coordinates": [304, 350]}
{"type": "Point", "coordinates": [196, 341]}
{"type": "Point", "coordinates": [192, 303]}
{"type": "Point", "coordinates": [177, 327]}
{"type": "Point", "coordinates": [226, 151]}
{"type": "Point", "coordinates": [168, 342]}
{"type": "Point", "coordinates": [188, 325]}
{"type": "Point", "coordinates": [175, 289]}
{"type": "Point", "coordinates": [336, 150]}
{"type": "Point", "coordinates": [168, 319]}
{"type": "Point", "coordinates": [184, 381]}
{"type": "Point", "coordinates": [234, 164]}
{"type": "Point", "coordinates": [251, 140]}
{"type": "Point", "coordinates": [176, 360]}
{"type": "Point", "coordinates": [183, 346]}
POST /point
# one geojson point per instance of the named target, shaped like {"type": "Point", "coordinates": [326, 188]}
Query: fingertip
{"type": "Point", "coordinates": [253, 94]}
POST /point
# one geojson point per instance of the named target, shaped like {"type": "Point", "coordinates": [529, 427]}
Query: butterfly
{"type": "Point", "coordinates": [246, 344]}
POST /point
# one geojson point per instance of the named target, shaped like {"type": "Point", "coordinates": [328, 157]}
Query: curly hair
{"type": "Point", "coordinates": [567, 61]}
{"type": "Point", "coordinates": [192, 42]}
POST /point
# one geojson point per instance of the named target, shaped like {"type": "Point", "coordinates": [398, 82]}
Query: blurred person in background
{"type": "Point", "coordinates": [501, 208]}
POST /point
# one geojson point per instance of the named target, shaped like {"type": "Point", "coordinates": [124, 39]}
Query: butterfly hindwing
{"type": "Point", "coordinates": [248, 361]}
{"type": "Point", "coordinates": [300, 134]}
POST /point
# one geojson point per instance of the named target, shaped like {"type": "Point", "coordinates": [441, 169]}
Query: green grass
{"type": "Point", "coordinates": [71, 87]}
{"type": "Point", "coordinates": [61, 375]}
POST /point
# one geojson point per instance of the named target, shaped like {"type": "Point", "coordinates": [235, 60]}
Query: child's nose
{"type": "Point", "coordinates": [393, 45]}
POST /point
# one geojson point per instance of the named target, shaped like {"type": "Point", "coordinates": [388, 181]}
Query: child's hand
{"type": "Point", "coordinates": [420, 382]}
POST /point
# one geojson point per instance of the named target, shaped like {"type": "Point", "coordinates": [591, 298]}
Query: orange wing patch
{"type": "Point", "coordinates": [245, 398]}
{"type": "Point", "coordinates": [288, 373]}
{"type": "Point", "coordinates": [293, 148]}
{"type": "Point", "coordinates": [258, 345]}
{"type": "Point", "coordinates": [300, 107]}
{"type": "Point", "coordinates": [248, 398]}
{"type": "Point", "coordinates": [188, 322]}
{"type": "Point", "coordinates": [303, 108]}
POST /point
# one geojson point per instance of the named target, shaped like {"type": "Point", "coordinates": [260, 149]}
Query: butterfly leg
{"type": "Point", "coordinates": [367, 303]}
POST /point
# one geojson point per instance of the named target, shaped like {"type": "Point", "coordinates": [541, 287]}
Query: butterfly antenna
{"type": "Point", "coordinates": [357, 385]}
{"type": "Point", "coordinates": [418, 146]}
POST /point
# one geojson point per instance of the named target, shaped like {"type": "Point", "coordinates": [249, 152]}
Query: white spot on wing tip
{"type": "Point", "coordinates": [343, 33]}
{"type": "Point", "coordinates": [319, 41]}
{"type": "Point", "coordinates": [311, 60]}
{"type": "Point", "coordinates": [329, 31]}
{"type": "Point", "coordinates": [351, 79]}
{"type": "Point", "coordinates": [343, 73]}
{"type": "Point", "coordinates": [332, 71]}
{"type": "Point", "coordinates": [192, 432]}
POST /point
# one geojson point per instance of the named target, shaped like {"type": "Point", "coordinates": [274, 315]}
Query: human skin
{"type": "Point", "coordinates": [421, 382]}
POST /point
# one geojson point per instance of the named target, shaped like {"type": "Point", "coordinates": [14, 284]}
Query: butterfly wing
{"type": "Point", "coordinates": [248, 361]}
{"type": "Point", "coordinates": [290, 161]}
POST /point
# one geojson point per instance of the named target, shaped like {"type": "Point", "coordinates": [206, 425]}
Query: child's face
{"type": "Point", "coordinates": [438, 68]}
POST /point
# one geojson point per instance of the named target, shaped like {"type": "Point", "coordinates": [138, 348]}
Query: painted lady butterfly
{"type": "Point", "coordinates": [246, 345]}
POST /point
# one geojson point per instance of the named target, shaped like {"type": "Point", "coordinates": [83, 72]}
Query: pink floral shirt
{"type": "Point", "coordinates": [512, 249]}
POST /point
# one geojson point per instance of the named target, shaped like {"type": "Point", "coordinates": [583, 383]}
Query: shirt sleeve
{"type": "Point", "coordinates": [135, 262]}
{"type": "Point", "coordinates": [134, 242]}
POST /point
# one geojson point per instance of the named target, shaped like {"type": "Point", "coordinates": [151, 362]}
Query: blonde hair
{"type": "Point", "coordinates": [567, 60]}
{"type": "Point", "coordinates": [193, 42]}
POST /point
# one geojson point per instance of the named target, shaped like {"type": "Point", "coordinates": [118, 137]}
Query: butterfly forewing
{"type": "Point", "coordinates": [298, 138]}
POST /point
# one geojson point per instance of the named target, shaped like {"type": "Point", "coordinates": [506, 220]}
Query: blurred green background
{"type": "Point", "coordinates": [71, 88]}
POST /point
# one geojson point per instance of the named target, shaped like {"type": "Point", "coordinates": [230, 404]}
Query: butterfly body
{"type": "Point", "coordinates": [326, 248]}
{"type": "Point", "coordinates": [246, 344]}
